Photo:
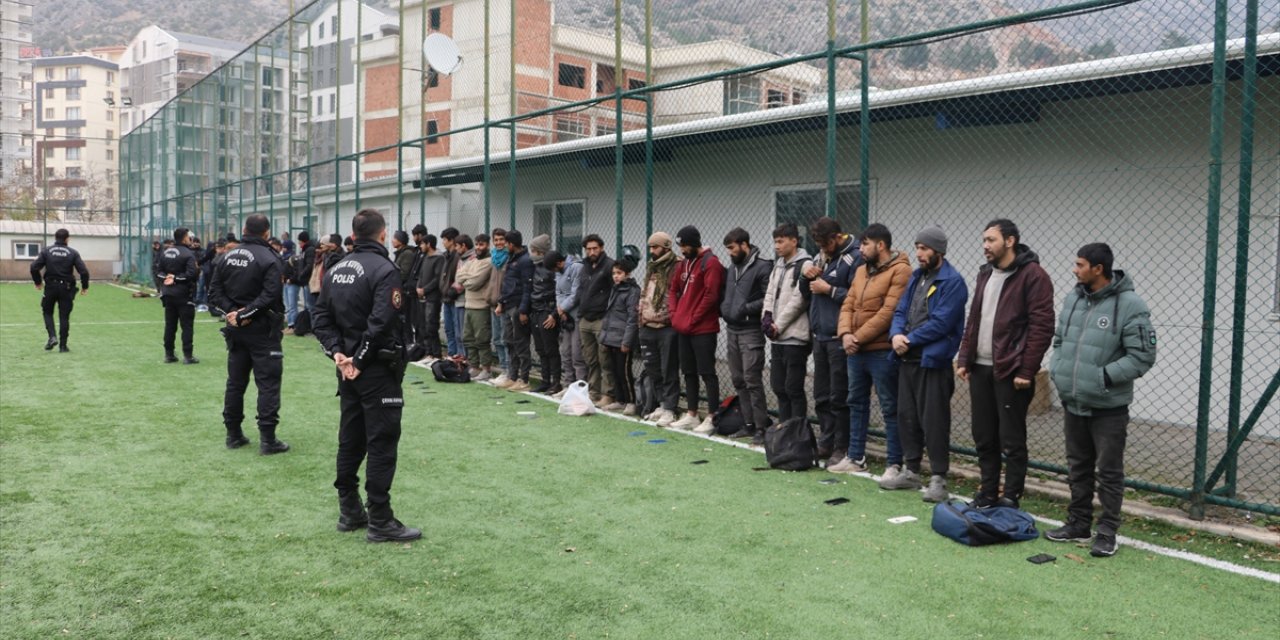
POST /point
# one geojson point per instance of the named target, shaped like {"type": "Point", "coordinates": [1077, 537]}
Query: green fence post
{"type": "Point", "coordinates": [487, 170]}
{"type": "Point", "coordinates": [618, 79]}
{"type": "Point", "coordinates": [648, 121]}
{"type": "Point", "coordinates": [1212, 222]}
{"type": "Point", "coordinates": [831, 109]}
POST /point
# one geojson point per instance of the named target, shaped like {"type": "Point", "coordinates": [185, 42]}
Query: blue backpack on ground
{"type": "Point", "coordinates": [977, 527]}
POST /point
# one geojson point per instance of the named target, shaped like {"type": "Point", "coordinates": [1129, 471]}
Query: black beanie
{"type": "Point", "coordinates": [303, 236]}
{"type": "Point", "coordinates": [689, 237]}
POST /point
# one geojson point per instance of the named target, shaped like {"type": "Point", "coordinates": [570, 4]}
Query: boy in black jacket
{"type": "Point", "coordinates": [619, 334]}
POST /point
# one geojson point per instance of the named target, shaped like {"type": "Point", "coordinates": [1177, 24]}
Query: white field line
{"type": "Point", "coordinates": [1212, 563]}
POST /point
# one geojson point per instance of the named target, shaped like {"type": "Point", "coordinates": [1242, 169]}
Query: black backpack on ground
{"type": "Point", "coordinates": [728, 418]}
{"type": "Point", "coordinates": [791, 446]}
{"type": "Point", "coordinates": [646, 397]}
{"type": "Point", "coordinates": [302, 323]}
{"type": "Point", "coordinates": [448, 370]}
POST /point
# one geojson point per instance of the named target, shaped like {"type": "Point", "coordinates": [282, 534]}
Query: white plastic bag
{"type": "Point", "coordinates": [577, 400]}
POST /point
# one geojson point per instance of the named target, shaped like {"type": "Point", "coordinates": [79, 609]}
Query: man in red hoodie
{"type": "Point", "coordinates": [694, 301]}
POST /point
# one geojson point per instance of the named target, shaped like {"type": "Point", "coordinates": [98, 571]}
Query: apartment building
{"type": "Point", "coordinates": [76, 131]}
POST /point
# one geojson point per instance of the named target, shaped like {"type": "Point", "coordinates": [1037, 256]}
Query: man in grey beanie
{"type": "Point", "coordinates": [926, 331]}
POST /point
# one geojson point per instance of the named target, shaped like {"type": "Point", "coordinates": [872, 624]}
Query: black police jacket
{"type": "Point", "coordinates": [179, 262]}
{"type": "Point", "coordinates": [358, 313]}
{"type": "Point", "coordinates": [58, 262]}
{"type": "Point", "coordinates": [247, 280]}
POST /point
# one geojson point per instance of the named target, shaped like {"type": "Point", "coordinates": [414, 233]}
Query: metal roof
{"type": "Point", "coordinates": [38, 227]}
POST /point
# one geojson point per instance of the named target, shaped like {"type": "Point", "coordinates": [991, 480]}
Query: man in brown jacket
{"type": "Point", "coordinates": [1009, 330]}
{"type": "Point", "coordinates": [864, 330]}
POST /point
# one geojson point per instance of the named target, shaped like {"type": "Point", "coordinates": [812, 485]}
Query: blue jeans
{"type": "Point", "coordinates": [453, 328]}
{"type": "Point", "coordinates": [307, 297]}
{"type": "Point", "coordinates": [880, 369]}
{"type": "Point", "coordinates": [499, 342]}
{"type": "Point", "coordinates": [291, 292]}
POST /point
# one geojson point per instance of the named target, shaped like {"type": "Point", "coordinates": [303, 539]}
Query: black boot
{"type": "Point", "coordinates": [53, 342]}
{"type": "Point", "coordinates": [268, 444]}
{"type": "Point", "coordinates": [383, 526]}
{"type": "Point", "coordinates": [351, 514]}
{"type": "Point", "coordinates": [235, 438]}
{"type": "Point", "coordinates": [62, 348]}
{"type": "Point", "coordinates": [169, 358]}
{"type": "Point", "coordinates": [190, 359]}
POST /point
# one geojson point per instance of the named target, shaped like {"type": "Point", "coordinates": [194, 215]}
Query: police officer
{"type": "Point", "coordinates": [176, 274]}
{"type": "Point", "coordinates": [246, 289]}
{"type": "Point", "coordinates": [59, 285]}
{"type": "Point", "coordinates": [357, 321]}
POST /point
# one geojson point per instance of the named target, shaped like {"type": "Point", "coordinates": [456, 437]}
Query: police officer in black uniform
{"type": "Point", "coordinates": [59, 285]}
{"type": "Point", "coordinates": [246, 288]}
{"type": "Point", "coordinates": [357, 321]}
{"type": "Point", "coordinates": [176, 273]}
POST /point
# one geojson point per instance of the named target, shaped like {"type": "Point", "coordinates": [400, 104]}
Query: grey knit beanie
{"type": "Point", "coordinates": [541, 244]}
{"type": "Point", "coordinates": [934, 238]}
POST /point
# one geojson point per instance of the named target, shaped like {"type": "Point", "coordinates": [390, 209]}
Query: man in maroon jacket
{"type": "Point", "coordinates": [1009, 330]}
{"type": "Point", "coordinates": [694, 301]}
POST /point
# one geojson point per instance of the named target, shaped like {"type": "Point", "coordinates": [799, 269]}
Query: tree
{"type": "Point", "coordinates": [914, 57]}
{"type": "Point", "coordinates": [1101, 50]}
{"type": "Point", "coordinates": [19, 197]}
{"type": "Point", "coordinates": [1174, 39]}
{"type": "Point", "coordinates": [1032, 54]}
{"type": "Point", "coordinates": [972, 56]}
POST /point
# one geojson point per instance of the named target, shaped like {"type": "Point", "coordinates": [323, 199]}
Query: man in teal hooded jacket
{"type": "Point", "coordinates": [1104, 341]}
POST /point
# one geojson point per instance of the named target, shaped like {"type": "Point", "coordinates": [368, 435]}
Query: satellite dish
{"type": "Point", "coordinates": [441, 53]}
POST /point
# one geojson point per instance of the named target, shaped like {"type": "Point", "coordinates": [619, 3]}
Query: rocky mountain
{"type": "Point", "coordinates": [781, 26]}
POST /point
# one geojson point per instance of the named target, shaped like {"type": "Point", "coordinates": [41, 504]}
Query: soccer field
{"type": "Point", "coordinates": [123, 516]}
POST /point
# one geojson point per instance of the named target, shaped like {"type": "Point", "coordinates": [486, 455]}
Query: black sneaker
{"type": "Point", "coordinates": [1006, 501]}
{"type": "Point", "coordinates": [984, 501]}
{"type": "Point", "coordinates": [169, 358]}
{"type": "Point", "coordinates": [64, 349]}
{"type": "Point", "coordinates": [53, 342]}
{"type": "Point", "coordinates": [1071, 532]}
{"type": "Point", "coordinates": [1104, 545]}
{"type": "Point", "coordinates": [235, 442]}
{"type": "Point", "coordinates": [541, 388]}
{"type": "Point", "coordinates": [191, 360]}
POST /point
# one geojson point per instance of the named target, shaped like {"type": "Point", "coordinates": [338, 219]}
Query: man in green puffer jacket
{"type": "Point", "coordinates": [1104, 341]}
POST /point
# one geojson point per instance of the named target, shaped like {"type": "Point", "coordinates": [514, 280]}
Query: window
{"type": "Point", "coordinates": [634, 84]}
{"type": "Point", "coordinates": [73, 113]}
{"type": "Point", "coordinates": [803, 205]}
{"type": "Point", "coordinates": [73, 93]}
{"type": "Point", "coordinates": [111, 95]}
{"type": "Point", "coordinates": [48, 114]}
{"type": "Point", "coordinates": [605, 127]}
{"type": "Point", "coordinates": [29, 250]}
{"type": "Point", "coordinates": [799, 97]}
{"type": "Point", "coordinates": [73, 172]}
{"type": "Point", "coordinates": [73, 133]}
{"type": "Point", "coordinates": [73, 153]}
{"type": "Point", "coordinates": [320, 32]}
{"type": "Point", "coordinates": [433, 128]}
{"type": "Point", "coordinates": [73, 73]}
{"type": "Point", "coordinates": [319, 105]}
{"type": "Point", "coordinates": [433, 77]}
{"type": "Point", "coordinates": [48, 94]}
{"type": "Point", "coordinates": [572, 76]}
{"type": "Point", "coordinates": [569, 128]}
{"type": "Point", "coordinates": [48, 74]}
{"type": "Point", "coordinates": [775, 99]}
{"type": "Point", "coordinates": [111, 79]}
{"type": "Point", "coordinates": [333, 103]}
{"type": "Point", "coordinates": [604, 79]}
{"type": "Point", "coordinates": [111, 154]}
{"type": "Point", "coordinates": [563, 221]}
{"type": "Point", "coordinates": [111, 134]}
{"type": "Point", "coordinates": [110, 116]}
{"type": "Point", "coordinates": [333, 26]}
{"type": "Point", "coordinates": [75, 193]}
{"type": "Point", "coordinates": [741, 95]}
{"type": "Point", "coordinates": [433, 16]}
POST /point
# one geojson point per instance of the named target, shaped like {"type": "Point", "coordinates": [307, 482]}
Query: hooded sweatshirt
{"type": "Point", "coordinates": [1020, 327]}
{"type": "Point", "coordinates": [694, 295]}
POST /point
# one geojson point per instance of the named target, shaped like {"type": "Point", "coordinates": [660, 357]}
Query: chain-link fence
{"type": "Point", "coordinates": [1150, 125]}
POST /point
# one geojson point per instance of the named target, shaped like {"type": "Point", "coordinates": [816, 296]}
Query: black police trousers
{"type": "Point", "coordinates": [62, 294]}
{"type": "Point", "coordinates": [178, 311]}
{"type": "Point", "coordinates": [370, 428]}
{"type": "Point", "coordinates": [253, 349]}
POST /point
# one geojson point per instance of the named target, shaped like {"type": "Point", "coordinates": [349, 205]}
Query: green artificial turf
{"type": "Point", "coordinates": [123, 516]}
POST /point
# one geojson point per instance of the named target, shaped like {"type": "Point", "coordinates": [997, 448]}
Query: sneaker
{"type": "Point", "coordinates": [689, 421]}
{"type": "Point", "coordinates": [849, 465]}
{"type": "Point", "coordinates": [666, 419]}
{"type": "Point", "coordinates": [62, 348]}
{"type": "Point", "coordinates": [53, 342]}
{"type": "Point", "coordinates": [542, 387]}
{"type": "Point", "coordinates": [1104, 545]}
{"type": "Point", "coordinates": [653, 416]}
{"type": "Point", "coordinates": [613, 406]}
{"type": "Point", "coordinates": [983, 501]}
{"type": "Point", "coordinates": [288, 331]}
{"type": "Point", "coordinates": [272, 448]}
{"type": "Point", "coordinates": [428, 360]}
{"type": "Point", "coordinates": [1006, 501]}
{"type": "Point", "coordinates": [202, 308]}
{"type": "Point", "coordinates": [169, 358]}
{"type": "Point", "coordinates": [235, 442]}
{"type": "Point", "coordinates": [757, 440]}
{"type": "Point", "coordinates": [518, 385]}
{"type": "Point", "coordinates": [502, 381]}
{"type": "Point", "coordinates": [890, 472]}
{"type": "Point", "coordinates": [473, 372]}
{"type": "Point", "coordinates": [481, 377]}
{"type": "Point", "coordinates": [937, 491]}
{"type": "Point", "coordinates": [603, 402]}
{"type": "Point", "coordinates": [1072, 532]}
{"type": "Point", "coordinates": [833, 459]}
{"type": "Point", "coordinates": [906, 479]}
{"type": "Point", "coordinates": [559, 395]}
{"type": "Point", "coordinates": [191, 360]}
{"type": "Point", "coordinates": [706, 428]}
{"type": "Point", "coordinates": [629, 410]}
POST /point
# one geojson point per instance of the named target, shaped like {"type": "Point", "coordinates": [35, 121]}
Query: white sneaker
{"type": "Point", "coordinates": [559, 395]}
{"type": "Point", "coordinates": [665, 418]}
{"type": "Point", "coordinates": [481, 377]}
{"type": "Point", "coordinates": [689, 421]}
{"type": "Point", "coordinates": [474, 372]}
{"type": "Point", "coordinates": [847, 465]}
{"type": "Point", "coordinates": [891, 472]}
{"type": "Point", "coordinates": [502, 381]}
{"type": "Point", "coordinates": [613, 406]}
{"type": "Point", "coordinates": [428, 360]}
{"type": "Point", "coordinates": [629, 410]}
{"type": "Point", "coordinates": [653, 416]}
{"type": "Point", "coordinates": [706, 428]}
